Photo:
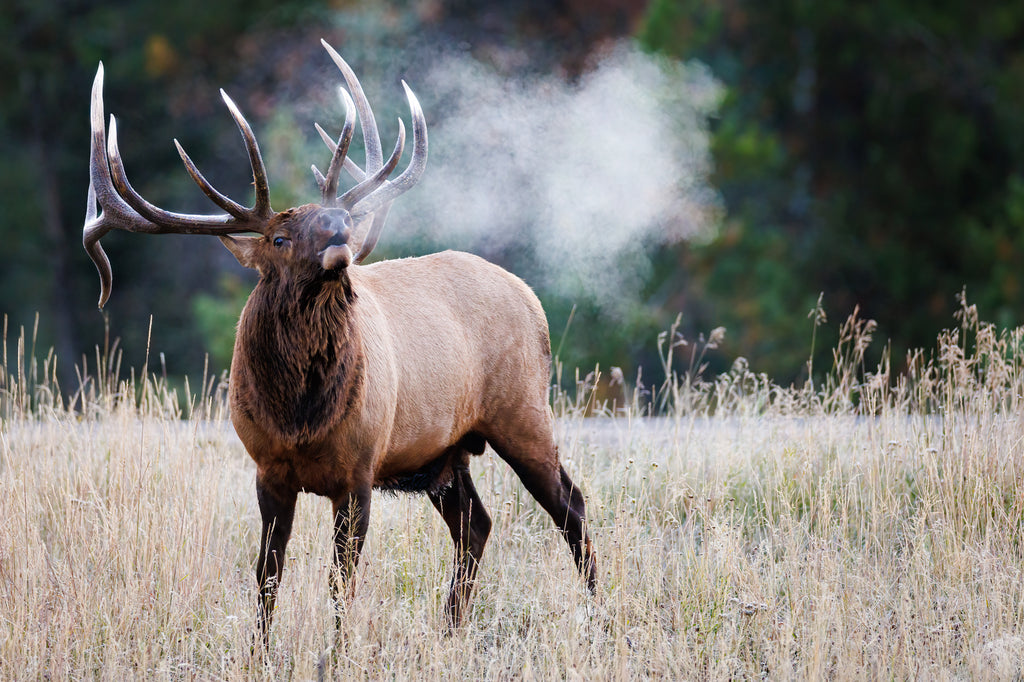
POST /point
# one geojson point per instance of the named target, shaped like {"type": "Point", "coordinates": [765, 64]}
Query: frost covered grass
{"type": "Point", "coordinates": [866, 526]}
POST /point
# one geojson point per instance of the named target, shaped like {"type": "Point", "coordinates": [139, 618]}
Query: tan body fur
{"type": "Point", "coordinates": [452, 345]}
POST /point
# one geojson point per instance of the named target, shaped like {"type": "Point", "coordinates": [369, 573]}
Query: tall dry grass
{"type": "Point", "coordinates": [865, 525]}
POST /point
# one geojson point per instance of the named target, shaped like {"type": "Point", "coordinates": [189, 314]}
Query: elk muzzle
{"type": "Point", "coordinates": [333, 231]}
{"type": "Point", "coordinates": [336, 257]}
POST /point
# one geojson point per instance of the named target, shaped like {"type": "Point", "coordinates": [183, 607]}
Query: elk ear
{"type": "Point", "coordinates": [242, 248]}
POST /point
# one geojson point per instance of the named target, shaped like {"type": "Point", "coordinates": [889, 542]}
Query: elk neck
{"type": "Point", "coordinates": [303, 353]}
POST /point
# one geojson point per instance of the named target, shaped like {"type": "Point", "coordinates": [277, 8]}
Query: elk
{"type": "Point", "coordinates": [349, 377]}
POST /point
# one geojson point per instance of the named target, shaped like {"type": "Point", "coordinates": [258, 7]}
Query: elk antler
{"type": "Point", "coordinates": [329, 185]}
{"type": "Point", "coordinates": [371, 199]}
{"type": "Point", "coordinates": [124, 208]}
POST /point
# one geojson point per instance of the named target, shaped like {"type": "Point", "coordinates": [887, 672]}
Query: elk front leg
{"type": "Point", "coordinates": [469, 525]}
{"type": "Point", "coordinates": [278, 511]}
{"type": "Point", "coordinates": [351, 521]}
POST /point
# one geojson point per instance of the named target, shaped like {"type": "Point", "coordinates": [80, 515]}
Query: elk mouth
{"type": "Point", "coordinates": [338, 239]}
{"type": "Point", "coordinates": [336, 256]}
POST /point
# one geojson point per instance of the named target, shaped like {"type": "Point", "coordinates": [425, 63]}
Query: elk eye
{"type": "Point", "coordinates": [279, 241]}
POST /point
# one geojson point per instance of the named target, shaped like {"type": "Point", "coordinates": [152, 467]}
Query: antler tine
{"type": "Point", "coordinates": [159, 220]}
{"type": "Point", "coordinates": [371, 138]}
{"type": "Point", "coordinates": [329, 191]}
{"type": "Point", "coordinates": [354, 171]}
{"type": "Point", "coordinates": [411, 175]}
{"type": "Point", "coordinates": [94, 227]}
{"type": "Point", "coordinates": [351, 166]}
{"type": "Point", "coordinates": [259, 171]}
{"type": "Point", "coordinates": [233, 207]}
{"type": "Point", "coordinates": [102, 195]}
{"type": "Point", "coordinates": [373, 234]}
{"type": "Point", "coordinates": [384, 196]}
{"type": "Point", "coordinates": [320, 179]}
{"type": "Point", "coordinates": [331, 144]}
{"type": "Point", "coordinates": [97, 143]}
{"type": "Point", "coordinates": [370, 184]}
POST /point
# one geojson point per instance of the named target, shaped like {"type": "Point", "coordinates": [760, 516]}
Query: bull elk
{"type": "Point", "coordinates": [349, 377]}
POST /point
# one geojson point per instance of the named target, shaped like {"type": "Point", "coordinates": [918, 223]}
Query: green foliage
{"type": "Point", "coordinates": [871, 152]}
{"type": "Point", "coordinates": [216, 316]}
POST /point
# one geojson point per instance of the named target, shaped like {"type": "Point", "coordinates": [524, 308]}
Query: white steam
{"type": "Point", "coordinates": [578, 178]}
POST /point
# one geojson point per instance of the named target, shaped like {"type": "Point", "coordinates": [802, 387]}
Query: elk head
{"type": "Point", "coordinates": [308, 241]}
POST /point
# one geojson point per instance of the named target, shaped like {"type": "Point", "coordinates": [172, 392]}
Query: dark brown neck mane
{"type": "Point", "coordinates": [303, 354]}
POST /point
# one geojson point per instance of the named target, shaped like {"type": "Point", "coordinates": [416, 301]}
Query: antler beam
{"type": "Point", "coordinates": [114, 203]}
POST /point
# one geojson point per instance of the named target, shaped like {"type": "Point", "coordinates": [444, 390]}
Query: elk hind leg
{"type": "Point", "coordinates": [536, 464]}
{"type": "Point", "coordinates": [470, 525]}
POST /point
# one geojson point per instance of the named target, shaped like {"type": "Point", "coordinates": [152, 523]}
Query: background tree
{"type": "Point", "coordinates": [871, 152]}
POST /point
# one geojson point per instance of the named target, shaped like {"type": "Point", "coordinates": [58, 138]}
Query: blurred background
{"type": "Point", "coordinates": [728, 160]}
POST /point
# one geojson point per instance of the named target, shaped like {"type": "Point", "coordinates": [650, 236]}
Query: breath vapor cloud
{"type": "Point", "coordinates": [573, 181]}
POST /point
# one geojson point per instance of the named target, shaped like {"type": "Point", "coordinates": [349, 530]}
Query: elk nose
{"type": "Point", "coordinates": [332, 227]}
{"type": "Point", "coordinates": [339, 237]}
{"type": "Point", "coordinates": [333, 235]}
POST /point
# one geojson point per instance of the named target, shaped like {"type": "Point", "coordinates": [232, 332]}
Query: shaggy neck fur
{"type": "Point", "coordinates": [303, 355]}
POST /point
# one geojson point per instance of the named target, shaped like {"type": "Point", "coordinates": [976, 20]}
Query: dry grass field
{"type": "Point", "coordinates": [868, 527]}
